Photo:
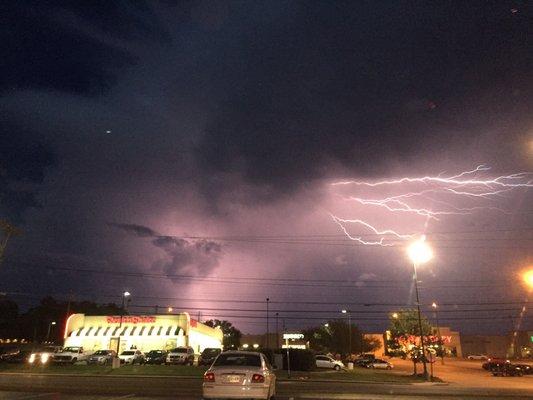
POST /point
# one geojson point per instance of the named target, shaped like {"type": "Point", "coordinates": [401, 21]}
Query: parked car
{"type": "Point", "coordinates": [41, 356]}
{"type": "Point", "coordinates": [208, 356]}
{"type": "Point", "coordinates": [477, 357]}
{"type": "Point", "coordinates": [16, 356]}
{"type": "Point", "coordinates": [363, 362]}
{"type": "Point", "coordinates": [131, 357]}
{"type": "Point", "coordinates": [379, 364]}
{"type": "Point", "coordinates": [506, 369]}
{"type": "Point", "coordinates": [156, 357]}
{"type": "Point", "coordinates": [102, 357]}
{"type": "Point", "coordinates": [328, 362]}
{"type": "Point", "coordinates": [180, 355]}
{"type": "Point", "coordinates": [491, 362]}
{"type": "Point", "coordinates": [526, 369]}
{"type": "Point", "coordinates": [70, 355]}
{"type": "Point", "coordinates": [240, 374]}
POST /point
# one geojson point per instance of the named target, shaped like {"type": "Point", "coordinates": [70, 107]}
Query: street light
{"type": "Point", "coordinates": [268, 333]}
{"type": "Point", "coordinates": [49, 327]}
{"type": "Point", "coordinates": [170, 309]}
{"type": "Point", "coordinates": [395, 315]}
{"type": "Point", "coordinates": [349, 330]}
{"type": "Point", "coordinates": [434, 305]}
{"type": "Point", "coordinates": [419, 252]}
{"type": "Point", "coordinates": [124, 295]}
{"type": "Point", "coordinates": [528, 278]}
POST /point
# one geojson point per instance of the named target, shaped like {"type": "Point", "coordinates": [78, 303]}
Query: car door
{"type": "Point", "coordinates": [322, 362]}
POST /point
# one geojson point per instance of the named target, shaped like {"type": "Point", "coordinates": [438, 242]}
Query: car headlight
{"type": "Point", "coordinates": [44, 358]}
{"type": "Point", "coordinates": [32, 358]}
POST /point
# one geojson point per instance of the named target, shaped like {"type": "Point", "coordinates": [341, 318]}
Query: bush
{"type": "Point", "coordinates": [301, 360]}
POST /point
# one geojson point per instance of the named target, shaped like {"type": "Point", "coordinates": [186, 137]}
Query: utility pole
{"type": "Point", "coordinates": [9, 230]}
{"type": "Point", "coordinates": [277, 331]}
{"type": "Point", "coordinates": [268, 333]}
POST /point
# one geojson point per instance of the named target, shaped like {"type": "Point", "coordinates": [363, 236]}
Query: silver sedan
{"type": "Point", "coordinates": [240, 375]}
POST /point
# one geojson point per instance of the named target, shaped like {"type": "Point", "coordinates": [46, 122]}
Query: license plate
{"type": "Point", "coordinates": [233, 378]}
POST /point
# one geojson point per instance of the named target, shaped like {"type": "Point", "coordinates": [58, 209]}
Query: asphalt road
{"type": "Point", "coordinates": [61, 387]}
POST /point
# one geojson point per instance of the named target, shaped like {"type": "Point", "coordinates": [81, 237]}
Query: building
{"type": "Point", "coordinates": [143, 332]}
{"type": "Point", "coordinates": [451, 341]}
{"type": "Point", "coordinates": [491, 345]}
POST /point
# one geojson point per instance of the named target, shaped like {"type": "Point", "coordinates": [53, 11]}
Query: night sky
{"type": "Point", "coordinates": [189, 151]}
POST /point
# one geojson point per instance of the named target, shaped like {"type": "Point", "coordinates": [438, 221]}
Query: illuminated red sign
{"type": "Point", "coordinates": [193, 323]}
{"type": "Point", "coordinates": [131, 319]}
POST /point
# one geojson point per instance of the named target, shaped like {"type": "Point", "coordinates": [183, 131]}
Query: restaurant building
{"type": "Point", "coordinates": [143, 332]}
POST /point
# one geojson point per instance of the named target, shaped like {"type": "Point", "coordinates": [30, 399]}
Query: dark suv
{"type": "Point", "coordinates": [208, 356]}
{"type": "Point", "coordinates": [156, 357]}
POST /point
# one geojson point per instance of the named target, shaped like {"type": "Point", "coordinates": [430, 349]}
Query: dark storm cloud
{"type": "Point", "coordinates": [379, 86]}
{"type": "Point", "coordinates": [139, 230]}
{"type": "Point", "coordinates": [24, 160]}
{"type": "Point", "coordinates": [198, 257]}
{"type": "Point", "coordinates": [44, 45]}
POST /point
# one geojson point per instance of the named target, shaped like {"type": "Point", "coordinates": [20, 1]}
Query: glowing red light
{"type": "Point", "coordinates": [209, 377]}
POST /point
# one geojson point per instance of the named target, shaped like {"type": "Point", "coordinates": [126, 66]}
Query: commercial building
{"type": "Point", "coordinates": [451, 341]}
{"type": "Point", "coordinates": [143, 332]}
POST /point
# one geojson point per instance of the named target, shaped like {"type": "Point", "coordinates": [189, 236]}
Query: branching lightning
{"type": "Point", "coordinates": [440, 191]}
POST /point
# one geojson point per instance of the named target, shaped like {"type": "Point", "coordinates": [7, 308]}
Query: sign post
{"type": "Point", "coordinates": [291, 336]}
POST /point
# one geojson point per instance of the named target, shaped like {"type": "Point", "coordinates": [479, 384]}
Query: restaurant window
{"type": "Point", "coordinates": [151, 330]}
{"type": "Point", "coordinates": [159, 331]}
{"type": "Point", "coordinates": [168, 330]}
{"type": "Point", "coordinates": [106, 331]}
{"type": "Point", "coordinates": [133, 331]}
{"type": "Point", "coordinates": [123, 331]}
{"type": "Point", "coordinates": [142, 330]}
{"type": "Point", "coordinates": [89, 331]}
{"type": "Point", "coordinates": [115, 331]}
{"type": "Point", "coordinates": [97, 331]}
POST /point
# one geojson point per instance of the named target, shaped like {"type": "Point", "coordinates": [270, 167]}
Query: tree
{"type": "Point", "coordinates": [405, 335]}
{"type": "Point", "coordinates": [232, 336]}
{"type": "Point", "coordinates": [35, 322]}
{"type": "Point", "coordinates": [335, 337]}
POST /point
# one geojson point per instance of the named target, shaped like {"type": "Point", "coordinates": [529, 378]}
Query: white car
{"type": "Point", "coordinates": [477, 357]}
{"type": "Point", "coordinates": [131, 357]}
{"type": "Point", "coordinates": [379, 364]}
{"type": "Point", "coordinates": [240, 375]}
{"type": "Point", "coordinates": [328, 362]}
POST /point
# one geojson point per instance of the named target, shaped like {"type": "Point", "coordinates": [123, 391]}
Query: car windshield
{"type": "Point", "coordinates": [128, 353]}
{"type": "Point", "coordinates": [241, 360]}
{"type": "Point", "coordinates": [101, 352]}
{"type": "Point", "coordinates": [210, 352]}
{"type": "Point", "coordinates": [71, 349]}
{"type": "Point", "coordinates": [179, 350]}
{"type": "Point", "coordinates": [155, 352]}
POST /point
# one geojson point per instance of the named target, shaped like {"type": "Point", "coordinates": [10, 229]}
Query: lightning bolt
{"type": "Point", "coordinates": [467, 185]}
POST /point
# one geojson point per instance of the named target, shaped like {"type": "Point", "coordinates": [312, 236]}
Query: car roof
{"type": "Point", "coordinates": [237, 352]}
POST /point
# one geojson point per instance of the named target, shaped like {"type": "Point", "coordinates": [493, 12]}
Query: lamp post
{"type": "Point", "coordinates": [268, 333]}
{"type": "Point", "coordinates": [435, 307]}
{"type": "Point", "coordinates": [419, 252]}
{"type": "Point", "coordinates": [124, 295]}
{"type": "Point", "coordinates": [49, 327]}
{"type": "Point", "coordinates": [277, 331]}
{"type": "Point", "coordinates": [527, 277]}
{"type": "Point", "coordinates": [349, 330]}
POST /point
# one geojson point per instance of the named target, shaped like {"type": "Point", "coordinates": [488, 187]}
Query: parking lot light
{"type": "Point", "coordinates": [420, 252]}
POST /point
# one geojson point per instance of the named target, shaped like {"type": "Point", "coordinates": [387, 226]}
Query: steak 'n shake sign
{"type": "Point", "coordinates": [131, 319]}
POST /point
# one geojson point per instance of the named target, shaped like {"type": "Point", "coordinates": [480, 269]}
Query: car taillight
{"type": "Point", "coordinates": [209, 377]}
{"type": "Point", "coordinates": [257, 378]}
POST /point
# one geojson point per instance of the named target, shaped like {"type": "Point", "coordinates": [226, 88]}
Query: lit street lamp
{"type": "Point", "coordinates": [49, 327]}
{"type": "Point", "coordinates": [434, 305]}
{"type": "Point", "coordinates": [349, 330]}
{"type": "Point", "coordinates": [124, 295]}
{"type": "Point", "coordinates": [419, 252]}
{"type": "Point", "coordinates": [528, 279]}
